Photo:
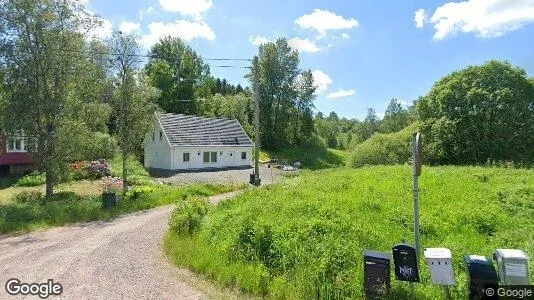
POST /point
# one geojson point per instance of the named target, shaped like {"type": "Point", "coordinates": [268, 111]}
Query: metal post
{"type": "Point", "coordinates": [416, 215]}
{"type": "Point", "coordinates": [447, 292]}
{"type": "Point", "coordinates": [416, 173]}
{"type": "Point", "coordinates": [256, 121]}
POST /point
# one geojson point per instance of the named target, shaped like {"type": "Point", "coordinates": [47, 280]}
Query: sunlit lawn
{"type": "Point", "coordinates": [82, 188]}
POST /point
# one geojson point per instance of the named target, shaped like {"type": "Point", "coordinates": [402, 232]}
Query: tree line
{"type": "Point", "coordinates": [78, 98]}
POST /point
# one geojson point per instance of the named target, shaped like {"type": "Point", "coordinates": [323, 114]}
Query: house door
{"type": "Point", "coordinates": [231, 159]}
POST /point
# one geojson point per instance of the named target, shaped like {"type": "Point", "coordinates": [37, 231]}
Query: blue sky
{"type": "Point", "coordinates": [362, 52]}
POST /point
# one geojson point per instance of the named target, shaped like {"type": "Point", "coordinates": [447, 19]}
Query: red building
{"type": "Point", "coordinates": [14, 159]}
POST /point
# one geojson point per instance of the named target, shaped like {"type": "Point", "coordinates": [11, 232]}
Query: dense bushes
{"type": "Point", "coordinates": [187, 215]}
{"type": "Point", "coordinates": [304, 238]}
{"type": "Point", "coordinates": [384, 149]}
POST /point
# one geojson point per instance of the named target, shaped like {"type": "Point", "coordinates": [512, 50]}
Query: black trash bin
{"type": "Point", "coordinates": [482, 275]}
{"type": "Point", "coordinates": [376, 271]}
{"type": "Point", "coordinates": [109, 200]}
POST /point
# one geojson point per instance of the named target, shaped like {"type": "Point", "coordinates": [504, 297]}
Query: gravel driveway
{"type": "Point", "coordinates": [225, 176]}
{"type": "Point", "coordinates": [117, 259]}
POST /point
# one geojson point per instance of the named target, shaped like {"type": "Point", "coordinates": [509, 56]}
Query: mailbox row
{"type": "Point", "coordinates": [512, 265]}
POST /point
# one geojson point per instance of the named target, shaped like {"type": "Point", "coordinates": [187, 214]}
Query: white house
{"type": "Point", "coordinates": [181, 142]}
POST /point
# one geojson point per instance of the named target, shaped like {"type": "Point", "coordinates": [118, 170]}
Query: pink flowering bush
{"type": "Point", "coordinates": [110, 185]}
{"type": "Point", "coordinates": [99, 168]}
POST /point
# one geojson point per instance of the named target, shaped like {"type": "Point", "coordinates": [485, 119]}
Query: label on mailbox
{"type": "Point", "coordinates": [518, 270]}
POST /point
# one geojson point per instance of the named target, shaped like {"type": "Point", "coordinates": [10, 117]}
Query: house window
{"type": "Point", "coordinates": [16, 145]}
{"type": "Point", "coordinates": [153, 136]}
{"type": "Point", "coordinates": [186, 157]}
{"type": "Point", "coordinates": [210, 157]}
{"type": "Point", "coordinates": [160, 136]}
{"type": "Point", "coordinates": [243, 155]}
{"type": "Point", "coordinates": [213, 157]}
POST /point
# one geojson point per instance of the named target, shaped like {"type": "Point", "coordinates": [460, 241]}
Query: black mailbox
{"type": "Point", "coordinates": [376, 273]}
{"type": "Point", "coordinates": [405, 260]}
{"type": "Point", "coordinates": [482, 275]}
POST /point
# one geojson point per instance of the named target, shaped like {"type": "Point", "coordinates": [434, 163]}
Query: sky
{"type": "Point", "coordinates": [362, 53]}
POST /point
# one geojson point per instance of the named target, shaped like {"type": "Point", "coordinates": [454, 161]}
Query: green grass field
{"type": "Point", "coordinates": [311, 159]}
{"type": "Point", "coordinates": [304, 237]}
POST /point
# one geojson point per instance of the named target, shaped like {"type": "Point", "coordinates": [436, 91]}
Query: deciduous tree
{"type": "Point", "coordinates": [478, 114]}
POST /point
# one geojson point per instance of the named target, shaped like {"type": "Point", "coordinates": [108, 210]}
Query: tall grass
{"type": "Point", "coordinates": [304, 238]}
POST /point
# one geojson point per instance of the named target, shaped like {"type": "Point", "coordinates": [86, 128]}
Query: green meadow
{"type": "Point", "coordinates": [304, 237]}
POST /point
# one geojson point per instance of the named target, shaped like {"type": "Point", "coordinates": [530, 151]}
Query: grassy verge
{"type": "Point", "coordinates": [310, 158]}
{"type": "Point", "coordinates": [66, 207]}
{"type": "Point", "coordinates": [304, 238]}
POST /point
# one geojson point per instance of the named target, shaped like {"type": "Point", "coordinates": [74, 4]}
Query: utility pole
{"type": "Point", "coordinates": [255, 70]}
{"type": "Point", "coordinates": [417, 147]}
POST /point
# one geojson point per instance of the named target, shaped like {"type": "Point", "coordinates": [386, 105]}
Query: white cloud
{"type": "Point", "coordinates": [420, 18]}
{"type": "Point", "coordinates": [129, 27]}
{"type": "Point", "coordinates": [324, 20]}
{"type": "Point", "coordinates": [257, 40]}
{"type": "Point", "coordinates": [303, 45]}
{"type": "Point", "coordinates": [345, 36]}
{"type": "Point", "coordinates": [341, 93]}
{"type": "Point", "coordinates": [150, 10]}
{"type": "Point", "coordinates": [484, 18]}
{"type": "Point", "coordinates": [192, 8]}
{"type": "Point", "coordinates": [186, 30]}
{"type": "Point", "coordinates": [321, 81]}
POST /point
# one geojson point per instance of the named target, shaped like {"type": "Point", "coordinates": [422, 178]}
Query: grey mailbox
{"type": "Point", "coordinates": [439, 261]}
{"type": "Point", "coordinates": [512, 266]}
{"type": "Point", "coordinates": [376, 273]}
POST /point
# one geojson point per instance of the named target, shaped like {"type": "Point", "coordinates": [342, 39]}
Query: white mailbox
{"type": "Point", "coordinates": [512, 266]}
{"type": "Point", "coordinates": [439, 261]}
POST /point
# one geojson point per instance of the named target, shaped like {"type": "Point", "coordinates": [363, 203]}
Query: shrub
{"type": "Point", "coordinates": [33, 197]}
{"type": "Point", "coordinates": [384, 149]}
{"type": "Point", "coordinates": [79, 170]}
{"type": "Point", "coordinates": [99, 168]}
{"type": "Point", "coordinates": [33, 179]}
{"type": "Point", "coordinates": [136, 192]}
{"type": "Point", "coordinates": [139, 180]}
{"type": "Point", "coordinates": [110, 185]}
{"type": "Point", "coordinates": [188, 215]}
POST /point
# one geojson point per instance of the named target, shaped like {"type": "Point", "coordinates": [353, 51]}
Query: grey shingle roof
{"type": "Point", "coordinates": [186, 130]}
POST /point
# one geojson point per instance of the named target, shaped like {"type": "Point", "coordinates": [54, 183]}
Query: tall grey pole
{"type": "Point", "coordinates": [416, 172]}
{"type": "Point", "coordinates": [255, 70]}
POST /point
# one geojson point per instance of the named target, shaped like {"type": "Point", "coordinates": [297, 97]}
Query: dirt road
{"type": "Point", "coordinates": [117, 259]}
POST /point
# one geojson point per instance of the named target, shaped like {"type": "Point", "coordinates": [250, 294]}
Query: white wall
{"type": "Point", "coordinates": [223, 160]}
{"type": "Point", "coordinates": [157, 152]}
